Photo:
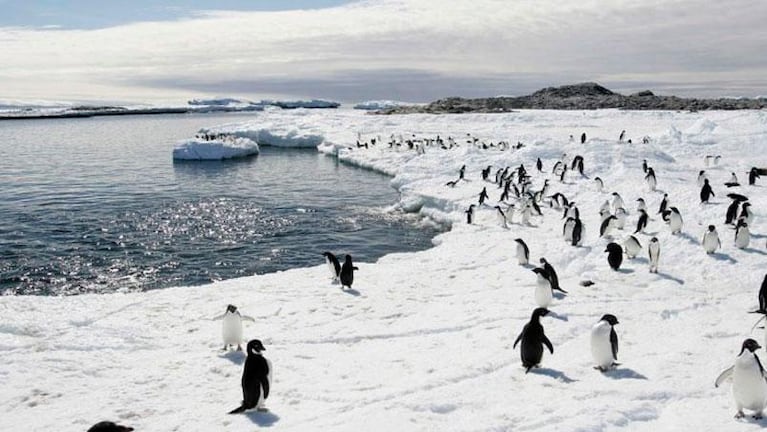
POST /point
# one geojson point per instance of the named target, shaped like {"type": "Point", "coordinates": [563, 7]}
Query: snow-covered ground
{"type": "Point", "coordinates": [218, 149]}
{"type": "Point", "coordinates": [424, 340]}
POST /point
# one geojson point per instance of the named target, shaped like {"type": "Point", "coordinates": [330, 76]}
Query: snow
{"type": "Point", "coordinates": [228, 148]}
{"type": "Point", "coordinates": [424, 340]}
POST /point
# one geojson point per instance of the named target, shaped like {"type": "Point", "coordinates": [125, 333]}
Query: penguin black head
{"type": "Point", "coordinates": [539, 271]}
{"type": "Point", "coordinates": [542, 260]}
{"type": "Point", "coordinates": [347, 259]}
{"type": "Point", "coordinates": [108, 426]}
{"type": "Point", "coordinates": [231, 308]}
{"type": "Point", "coordinates": [705, 181]}
{"type": "Point", "coordinates": [654, 240]}
{"type": "Point", "coordinates": [615, 193]}
{"type": "Point", "coordinates": [255, 347]}
{"type": "Point", "coordinates": [540, 312]}
{"type": "Point", "coordinates": [610, 319]}
{"type": "Point", "coordinates": [711, 228]}
{"type": "Point", "coordinates": [750, 345]}
{"type": "Point", "coordinates": [613, 248]}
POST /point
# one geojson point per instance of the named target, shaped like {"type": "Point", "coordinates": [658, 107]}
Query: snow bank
{"type": "Point", "coordinates": [424, 342]}
{"type": "Point", "coordinates": [195, 149]}
{"type": "Point", "coordinates": [373, 105]}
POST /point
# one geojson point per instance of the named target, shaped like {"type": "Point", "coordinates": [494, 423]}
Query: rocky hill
{"type": "Point", "coordinates": [583, 96]}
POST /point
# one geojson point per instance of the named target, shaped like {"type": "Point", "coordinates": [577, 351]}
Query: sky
{"type": "Point", "coordinates": [408, 50]}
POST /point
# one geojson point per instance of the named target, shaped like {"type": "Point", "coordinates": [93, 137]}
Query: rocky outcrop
{"type": "Point", "coordinates": [584, 96]}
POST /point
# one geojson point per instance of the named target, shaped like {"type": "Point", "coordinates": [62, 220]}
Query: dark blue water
{"type": "Point", "coordinates": [97, 205]}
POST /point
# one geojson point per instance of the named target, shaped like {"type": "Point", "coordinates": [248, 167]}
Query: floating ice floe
{"type": "Point", "coordinates": [230, 148]}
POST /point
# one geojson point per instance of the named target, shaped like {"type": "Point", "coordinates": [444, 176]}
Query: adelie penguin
{"type": "Point", "coordinates": [742, 235]}
{"type": "Point", "coordinates": [604, 343]}
{"type": "Point", "coordinates": [108, 426]}
{"type": "Point", "coordinates": [573, 231]}
{"type": "Point", "coordinates": [551, 275]}
{"type": "Point", "coordinates": [746, 214]}
{"type": "Point", "coordinates": [608, 224]}
{"type": "Point", "coordinates": [732, 212]}
{"type": "Point", "coordinates": [663, 204]}
{"type": "Point", "coordinates": [652, 182]}
{"type": "Point", "coordinates": [483, 196]}
{"type": "Point", "coordinates": [231, 327]}
{"type": "Point", "coordinates": [733, 182]}
{"type": "Point", "coordinates": [501, 217]}
{"type": "Point", "coordinates": [642, 221]}
{"type": "Point", "coordinates": [523, 253]}
{"type": "Point", "coordinates": [539, 165]}
{"type": "Point", "coordinates": [617, 201]}
{"type": "Point", "coordinates": [711, 240]}
{"type": "Point", "coordinates": [347, 272]}
{"type": "Point", "coordinates": [533, 339]}
{"type": "Point", "coordinates": [614, 255]}
{"type": "Point", "coordinates": [753, 174]}
{"type": "Point", "coordinates": [470, 214]}
{"type": "Point", "coordinates": [706, 192]}
{"type": "Point", "coordinates": [653, 251]}
{"type": "Point", "coordinates": [256, 379]}
{"type": "Point", "coordinates": [599, 184]}
{"type": "Point", "coordinates": [674, 220]}
{"type": "Point", "coordinates": [749, 381]}
{"type": "Point", "coordinates": [632, 246]}
{"type": "Point", "coordinates": [543, 291]}
{"type": "Point", "coordinates": [333, 265]}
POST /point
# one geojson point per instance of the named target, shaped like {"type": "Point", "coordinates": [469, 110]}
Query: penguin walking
{"type": "Point", "coordinates": [543, 291]}
{"type": "Point", "coordinates": [749, 382]}
{"type": "Point", "coordinates": [256, 378]}
{"type": "Point", "coordinates": [711, 240]}
{"type": "Point", "coordinates": [674, 220]}
{"type": "Point", "coordinates": [701, 176]}
{"type": "Point", "coordinates": [617, 201]}
{"type": "Point", "coordinates": [483, 196]}
{"type": "Point", "coordinates": [333, 265]}
{"type": "Point", "coordinates": [599, 184]}
{"type": "Point", "coordinates": [753, 174]}
{"type": "Point", "coordinates": [653, 250]}
{"type": "Point", "coordinates": [523, 252]}
{"type": "Point", "coordinates": [652, 182]}
{"type": "Point", "coordinates": [746, 214]}
{"type": "Point", "coordinates": [642, 221]}
{"type": "Point", "coordinates": [607, 225]}
{"type": "Point", "coordinates": [706, 192]}
{"type": "Point", "coordinates": [604, 343]}
{"type": "Point", "coordinates": [533, 339]}
{"type": "Point", "coordinates": [501, 217]}
{"type": "Point", "coordinates": [347, 272]}
{"type": "Point", "coordinates": [614, 255]}
{"type": "Point", "coordinates": [663, 204]}
{"type": "Point", "coordinates": [231, 326]}
{"type": "Point", "coordinates": [551, 275]}
{"type": "Point", "coordinates": [632, 246]}
{"type": "Point", "coordinates": [732, 212]}
{"type": "Point", "coordinates": [470, 214]}
{"type": "Point", "coordinates": [742, 235]}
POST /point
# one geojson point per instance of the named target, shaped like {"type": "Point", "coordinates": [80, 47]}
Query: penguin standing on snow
{"type": "Point", "coordinates": [333, 265]}
{"type": "Point", "coordinates": [644, 165]}
{"type": "Point", "coordinates": [710, 240]}
{"type": "Point", "coordinates": [706, 192]}
{"type": "Point", "coordinates": [701, 176]}
{"type": "Point", "coordinates": [653, 250]}
{"type": "Point", "coordinates": [533, 339]}
{"type": "Point", "coordinates": [745, 214]}
{"type": "Point", "coordinates": [742, 235]}
{"type": "Point", "coordinates": [347, 272]}
{"type": "Point", "coordinates": [663, 204]}
{"type": "Point", "coordinates": [483, 196]}
{"type": "Point", "coordinates": [543, 292]}
{"type": "Point", "coordinates": [231, 327]}
{"type": "Point", "coordinates": [617, 201]}
{"type": "Point", "coordinates": [577, 233]}
{"type": "Point", "coordinates": [733, 181]}
{"type": "Point", "coordinates": [583, 138]}
{"type": "Point", "coordinates": [470, 214]}
{"type": "Point", "coordinates": [539, 165]}
{"type": "Point", "coordinates": [256, 378]}
{"type": "Point", "coordinates": [749, 383]}
{"type": "Point", "coordinates": [632, 246]}
{"type": "Point", "coordinates": [614, 255]}
{"type": "Point", "coordinates": [607, 225]}
{"type": "Point", "coordinates": [753, 174]}
{"type": "Point", "coordinates": [523, 253]}
{"type": "Point", "coordinates": [501, 216]}
{"type": "Point", "coordinates": [642, 222]}
{"type": "Point", "coordinates": [732, 212]}
{"type": "Point", "coordinates": [551, 275]}
{"type": "Point", "coordinates": [599, 184]}
{"type": "Point", "coordinates": [604, 343]}
{"type": "Point", "coordinates": [674, 219]}
{"type": "Point", "coordinates": [652, 182]}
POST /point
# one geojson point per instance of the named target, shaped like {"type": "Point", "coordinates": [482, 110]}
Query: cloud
{"type": "Point", "coordinates": [402, 49]}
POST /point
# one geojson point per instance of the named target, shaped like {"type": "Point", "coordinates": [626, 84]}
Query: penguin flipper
{"type": "Point", "coordinates": [239, 409]}
{"type": "Point", "coordinates": [355, 268]}
{"type": "Point", "coordinates": [547, 342]}
{"type": "Point", "coordinates": [724, 376]}
{"type": "Point", "coordinates": [265, 387]}
{"type": "Point", "coordinates": [518, 339]}
{"type": "Point", "coordinates": [248, 318]}
{"type": "Point", "coordinates": [614, 343]}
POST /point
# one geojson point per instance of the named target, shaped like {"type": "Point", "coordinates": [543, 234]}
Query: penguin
{"type": "Point", "coordinates": [763, 297]}
{"type": "Point", "coordinates": [347, 272]}
{"type": "Point", "coordinates": [701, 176]}
{"type": "Point", "coordinates": [543, 292]}
{"type": "Point", "coordinates": [620, 218]}
{"type": "Point", "coordinates": [333, 265]}
{"type": "Point", "coordinates": [623, 134]}
{"type": "Point", "coordinates": [577, 233]}
{"type": "Point", "coordinates": [749, 383]}
{"type": "Point", "coordinates": [583, 138]}
{"type": "Point", "coordinates": [523, 253]}
{"type": "Point", "coordinates": [607, 225]}
{"type": "Point", "coordinates": [663, 204]}
{"type": "Point", "coordinates": [452, 183]}
{"type": "Point", "coordinates": [614, 255]}
{"type": "Point", "coordinates": [461, 172]}
{"type": "Point", "coordinates": [551, 275]}
{"type": "Point", "coordinates": [707, 160]}
{"type": "Point", "coordinates": [674, 220]}
{"type": "Point", "coordinates": [578, 165]}
{"type": "Point", "coordinates": [642, 222]}
{"type": "Point", "coordinates": [501, 217]}
{"type": "Point", "coordinates": [733, 182]}
{"type": "Point", "coordinates": [644, 165]}
{"type": "Point", "coordinates": [256, 378]}
{"type": "Point", "coordinates": [533, 338]}
{"type": "Point", "coordinates": [745, 214]}
{"type": "Point", "coordinates": [539, 165]}
{"type": "Point", "coordinates": [710, 240]}
{"type": "Point", "coordinates": [742, 235]}
{"type": "Point", "coordinates": [632, 246]}
{"type": "Point", "coordinates": [572, 211]}
{"type": "Point", "coordinates": [732, 212]}
{"type": "Point", "coordinates": [483, 196]}
{"type": "Point", "coordinates": [108, 426]}
{"type": "Point", "coordinates": [604, 343]}
{"type": "Point", "coordinates": [605, 208]}
{"type": "Point", "coordinates": [641, 204]}
{"type": "Point", "coordinates": [652, 182]}
{"type": "Point", "coordinates": [470, 214]}
{"type": "Point", "coordinates": [231, 326]}
{"type": "Point", "coordinates": [617, 201]}
{"type": "Point", "coordinates": [706, 192]}
{"type": "Point", "coordinates": [753, 174]}
{"type": "Point", "coordinates": [599, 184]}
{"type": "Point", "coordinates": [653, 250]}
{"type": "Point", "coordinates": [567, 229]}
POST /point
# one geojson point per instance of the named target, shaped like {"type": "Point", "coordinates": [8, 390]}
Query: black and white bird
{"type": "Point", "coordinates": [347, 272]}
{"type": "Point", "coordinates": [614, 255]}
{"type": "Point", "coordinates": [632, 246]}
{"type": "Point", "coordinates": [256, 379]}
{"type": "Point", "coordinates": [642, 221]}
{"type": "Point", "coordinates": [108, 426]}
{"type": "Point", "coordinates": [523, 252]}
{"type": "Point", "coordinates": [711, 240]}
{"type": "Point", "coordinates": [533, 340]}
{"type": "Point", "coordinates": [604, 343]}
{"type": "Point", "coordinates": [742, 235]}
{"type": "Point", "coordinates": [231, 326]}
{"type": "Point", "coordinates": [706, 192]}
{"type": "Point", "coordinates": [333, 265]}
{"type": "Point", "coordinates": [749, 381]}
{"type": "Point", "coordinates": [653, 251]}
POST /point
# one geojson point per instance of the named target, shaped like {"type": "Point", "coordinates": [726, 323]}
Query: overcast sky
{"type": "Point", "coordinates": [411, 50]}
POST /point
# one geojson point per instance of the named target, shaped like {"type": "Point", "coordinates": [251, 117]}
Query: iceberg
{"type": "Point", "coordinates": [217, 149]}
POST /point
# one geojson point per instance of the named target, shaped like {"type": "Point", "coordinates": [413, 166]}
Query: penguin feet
{"type": "Point", "coordinates": [262, 409]}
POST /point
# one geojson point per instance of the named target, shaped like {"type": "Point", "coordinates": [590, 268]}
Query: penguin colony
{"type": "Point", "coordinates": [520, 203]}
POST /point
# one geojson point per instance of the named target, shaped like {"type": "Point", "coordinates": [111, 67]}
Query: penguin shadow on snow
{"type": "Point", "coordinates": [236, 357]}
{"type": "Point", "coordinates": [624, 373]}
{"type": "Point", "coordinates": [262, 418]}
{"type": "Point", "coordinates": [625, 270]}
{"type": "Point", "coordinates": [752, 250]}
{"type": "Point", "coordinates": [557, 375]}
{"type": "Point", "coordinates": [723, 257]}
{"type": "Point", "coordinates": [689, 238]}
{"type": "Point", "coordinates": [557, 316]}
{"type": "Point", "coordinates": [351, 291]}
{"type": "Point", "coordinates": [664, 275]}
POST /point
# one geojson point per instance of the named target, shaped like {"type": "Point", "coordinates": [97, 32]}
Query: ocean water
{"type": "Point", "coordinates": [97, 205]}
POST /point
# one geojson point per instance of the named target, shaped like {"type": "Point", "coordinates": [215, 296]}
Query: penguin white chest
{"type": "Point", "coordinates": [710, 242]}
{"type": "Point", "coordinates": [521, 257]}
{"type": "Point", "coordinates": [601, 349]}
{"type": "Point", "coordinates": [749, 388]}
{"type": "Point", "coordinates": [742, 238]}
{"type": "Point", "coordinates": [632, 248]}
{"type": "Point", "coordinates": [569, 231]}
{"type": "Point", "coordinates": [543, 295]}
{"type": "Point", "coordinates": [675, 222]}
{"type": "Point", "coordinates": [232, 329]}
